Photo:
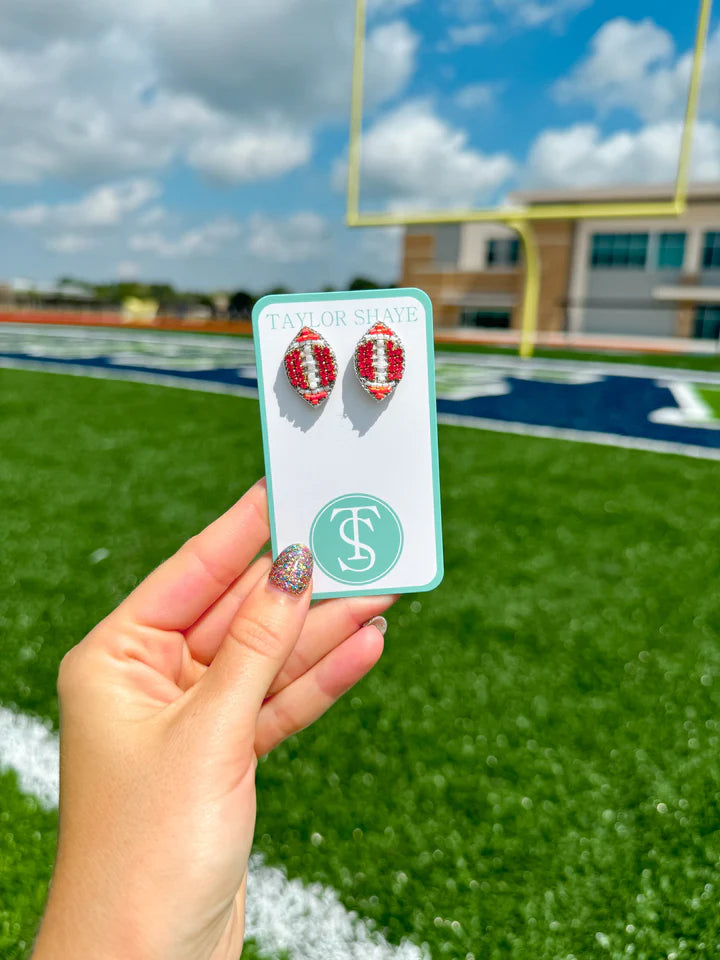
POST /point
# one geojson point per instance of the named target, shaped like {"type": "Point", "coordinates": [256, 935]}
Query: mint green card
{"type": "Point", "coordinates": [349, 422]}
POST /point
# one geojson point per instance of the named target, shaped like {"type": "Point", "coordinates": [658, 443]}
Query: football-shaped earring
{"type": "Point", "coordinates": [311, 367]}
{"type": "Point", "coordinates": [380, 361]}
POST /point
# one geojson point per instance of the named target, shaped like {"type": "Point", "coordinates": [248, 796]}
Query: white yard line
{"type": "Point", "coordinates": [590, 367]}
{"type": "Point", "coordinates": [30, 748]}
{"type": "Point", "coordinates": [307, 921]}
{"type": "Point", "coordinates": [582, 436]}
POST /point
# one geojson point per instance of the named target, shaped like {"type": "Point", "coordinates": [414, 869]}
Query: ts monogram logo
{"type": "Point", "coordinates": [354, 521]}
{"type": "Point", "coordinates": [356, 539]}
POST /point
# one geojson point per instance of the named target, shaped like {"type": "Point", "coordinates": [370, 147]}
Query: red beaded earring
{"type": "Point", "coordinates": [311, 367]}
{"type": "Point", "coordinates": [380, 361]}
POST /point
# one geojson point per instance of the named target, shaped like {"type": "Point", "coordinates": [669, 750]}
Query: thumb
{"type": "Point", "coordinates": [259, 640]}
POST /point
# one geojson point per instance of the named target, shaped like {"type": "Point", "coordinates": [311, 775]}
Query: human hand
{"type": "Point", "coordinates": [165, 707]}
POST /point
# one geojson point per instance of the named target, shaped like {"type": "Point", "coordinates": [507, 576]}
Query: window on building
{"type": "Point", "coordinates": [671, 251]}
{"type": "Point", "coordinates": [707, 322]}
{"type": "Point", "coordinates": [711, 253]}
{"type": "Point", "coordinates": [503, 253]}
{"type": "Point", "coordinates": [485, 318]}
{"type": "Point", "coordinates": [626, 251]}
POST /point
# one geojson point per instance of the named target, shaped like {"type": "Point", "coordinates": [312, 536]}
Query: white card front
{"type": "Point", "coordinates": [353, 476]}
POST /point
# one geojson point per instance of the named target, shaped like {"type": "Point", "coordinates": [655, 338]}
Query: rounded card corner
{"type": "Point", "coordinates": [419, 295]}
{"type": "Point", "coordinates": [259, 307]}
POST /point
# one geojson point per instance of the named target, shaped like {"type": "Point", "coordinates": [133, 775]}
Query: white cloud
{"type": "Point", "coordinates": [101, 90]}
{"type": "Point", "coordinates": [581, 156]}
{"type": "Point", "coordinates": [634, 65]}
{"type": "Point", "coordinates": [204, 240]}
{"type": "Point", "coordinates": [152, 216]}
{"type": "Point", "coordinates": [472, 35]}
{"type": "Point", "coordinates": [412, 158]}
{"type": "Point", "coordinates": [390, 58]}
{"type": "Point", "coordinates": [622, 55]}
{"type": "Point", "coordinates": [296, 239]}
{"type": "Point", "coordinates": [104, 206]}
{"type": "Point", "coordinates": [33, 216]}
{"type": "Point", "coordinates": [63, 108]}
{"type": "Point", "coordinates": [533, 13]}
{"type": "Point", "coordinates": [128, 270]}
{"type": "Point", "coordinates": [524, 14]}
{"type": "Point", "coordinates": [290, 57]}
{"type": "Point", "coordinates": [631, 65]}
{"type": "Point", "coordinates": [476, 96]}
{"type": "Point", "coordinates": [26, 23]}
{"type": "Point", "coordinates": [388, 6]}
{"type": "Point", "coordinates": [70, 243]}
{"type": "Point", "coordinates": [225, 149]}
{"type": "Point", "coordinates": [251, 155]}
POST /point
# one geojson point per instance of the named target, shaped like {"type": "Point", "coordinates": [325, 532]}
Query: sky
{"type": "Point", "coordinates": [204, 142]}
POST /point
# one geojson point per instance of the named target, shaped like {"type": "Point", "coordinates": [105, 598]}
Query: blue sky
{"type": "Point", "coordinates": [204, 143]}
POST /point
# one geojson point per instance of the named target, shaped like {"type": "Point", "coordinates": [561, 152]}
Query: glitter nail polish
{"type": "Point", "coordinates": [379, 623]}
{"type": "Point", "coordinates": [292, 571]}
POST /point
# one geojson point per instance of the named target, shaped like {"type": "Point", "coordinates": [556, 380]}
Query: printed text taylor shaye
{"type": "Point", "coordinates": [358, 316]}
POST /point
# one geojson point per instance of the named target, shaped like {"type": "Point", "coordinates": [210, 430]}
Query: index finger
{"type": "Point", "coordinates": [179, 591]}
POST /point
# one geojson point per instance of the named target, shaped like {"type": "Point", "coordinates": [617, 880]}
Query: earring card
{"type": "Point", "coordinates": [354, 477]}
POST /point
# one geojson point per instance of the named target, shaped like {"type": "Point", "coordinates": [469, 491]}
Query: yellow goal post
{"type": "Point", "coordinates": [520, 218]}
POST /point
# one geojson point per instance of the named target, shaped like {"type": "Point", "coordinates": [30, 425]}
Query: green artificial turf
{"type": "Point", "coordinates": [27, 850]}
{"type": "Point", "coordinates": [677, 360]}
{"type": "Point", "coordinates": [711, 397]}
{"type": "Point", "coordinates": [531, 771]}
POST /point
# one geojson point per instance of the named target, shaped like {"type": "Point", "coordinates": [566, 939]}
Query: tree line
{"type": "Point", "coordinates": [172, 301]}
{"type": "Point", "coordinates": [242, 301]}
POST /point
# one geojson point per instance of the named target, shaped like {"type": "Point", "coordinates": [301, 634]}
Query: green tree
{"type": "Point", "coordinates": [241, 304]}
{"type": "Point", "coordinates": [275, 292]}
{"type": "Point", "coordinates": [364, 283]}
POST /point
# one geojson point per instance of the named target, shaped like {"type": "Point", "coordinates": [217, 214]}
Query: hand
{"type": "Point", "coordinates": [165, 707]}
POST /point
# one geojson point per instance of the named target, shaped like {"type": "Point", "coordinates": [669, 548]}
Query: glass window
{"type": "Point", "coordinates": [711, 253]}
{"type": "Point", "coordinates": [707, 322]}
{"type": "Point", "coordinates": [671, 252]}
{"type": "Point", "coordinates": [503, 253]}
{"type": "Point", "coordinates": [485, 318]}
{"type": "Point", "coordinates": [619, 250]}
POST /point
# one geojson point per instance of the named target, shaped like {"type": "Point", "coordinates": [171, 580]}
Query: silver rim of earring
{"type": "Point", "coordinates": [380, 362]}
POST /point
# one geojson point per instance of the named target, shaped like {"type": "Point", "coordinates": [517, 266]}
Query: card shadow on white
{"type": "Point", "coordinates": [360, 408]}
{"type": "Point", "coordinates": [292, 407]}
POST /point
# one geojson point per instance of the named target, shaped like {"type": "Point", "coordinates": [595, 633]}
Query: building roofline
{"type": "Point", "coordinates": [637, 192]}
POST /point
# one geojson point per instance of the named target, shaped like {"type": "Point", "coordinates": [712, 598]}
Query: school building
{"type": "Point", "coordinates": [642, 277]}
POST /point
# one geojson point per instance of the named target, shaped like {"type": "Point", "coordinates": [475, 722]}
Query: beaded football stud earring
{"type": "Point", "coordinates": [380, 361]}
{"type": "Point", "coordinates": [311, 367]}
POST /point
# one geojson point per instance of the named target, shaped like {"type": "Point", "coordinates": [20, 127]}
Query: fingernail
{"type": "Point", "coordinates": [292, 571]}
{"type": "Point", "coordinates": [380, 623]}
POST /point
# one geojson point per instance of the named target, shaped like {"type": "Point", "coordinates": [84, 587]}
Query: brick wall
{"type": "Point", "coordinates": [448, 288]}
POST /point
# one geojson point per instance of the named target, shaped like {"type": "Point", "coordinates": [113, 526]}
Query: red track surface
{"type": "Point", "coordinates": [109, 319]}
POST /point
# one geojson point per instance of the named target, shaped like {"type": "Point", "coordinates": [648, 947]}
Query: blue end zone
{"type": "Point", "coordinates": [589, 398]}
{"type": "Point", "coordinates": [615, 405]}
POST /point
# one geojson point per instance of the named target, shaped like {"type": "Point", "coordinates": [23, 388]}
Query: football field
{"type": "Point", "coordinates": [531, 771]}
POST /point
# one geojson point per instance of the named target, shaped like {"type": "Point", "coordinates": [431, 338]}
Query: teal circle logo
{"type": "Point", "coordinates": [356, 539]}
